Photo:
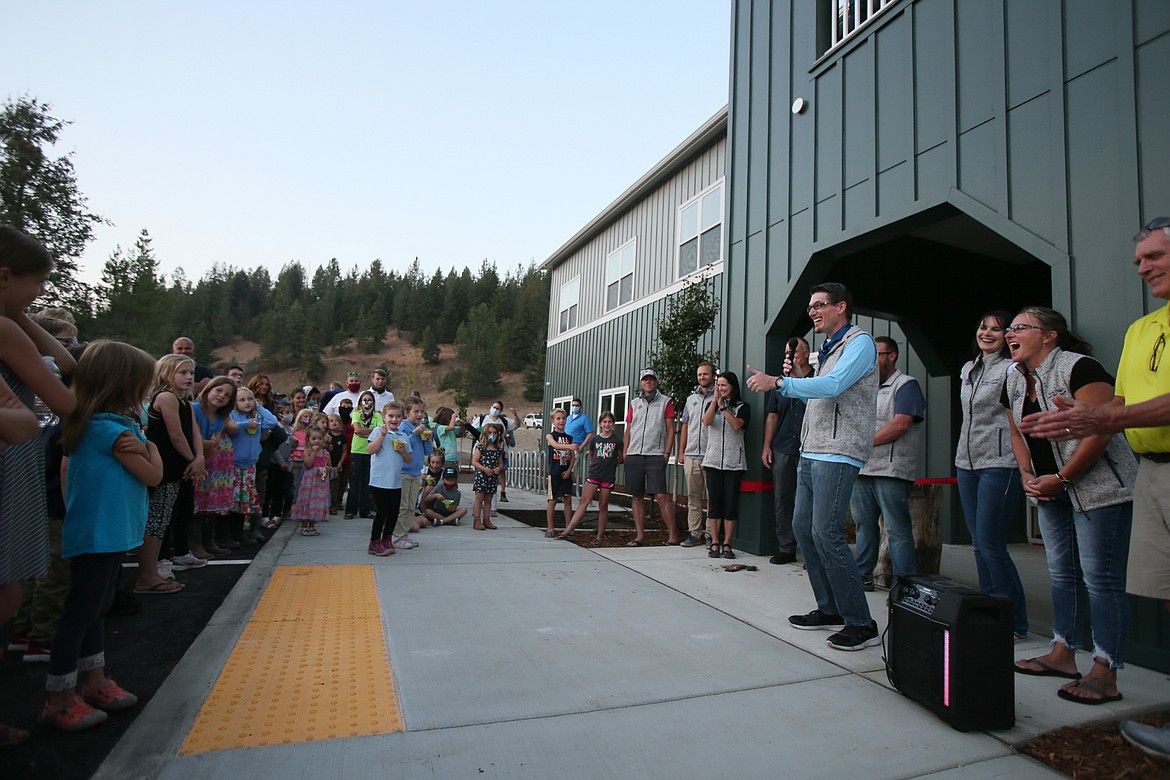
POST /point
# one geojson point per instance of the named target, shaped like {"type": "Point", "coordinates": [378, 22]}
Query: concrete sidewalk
{"type": "Point", "coordinates": [520, 656]}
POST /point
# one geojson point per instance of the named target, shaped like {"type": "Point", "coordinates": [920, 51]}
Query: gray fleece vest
{"type": "Point", "coordinates": [1107, 482]}
{"type": "Point", "coordinates": [842, 425]}
{"type": "Point", "coordinates": [985, 440]}
{"type": "Point", "coordinates": [697, 432]}
{"type": "Point", "coordinates": [898, 458]}
{"type": "Point", "coordinates": [724, 445]}
{"type": "Point", "coordinates": [648, 428]}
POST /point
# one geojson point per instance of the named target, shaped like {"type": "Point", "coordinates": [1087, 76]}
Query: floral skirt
{"type": "Point", "coordinates": [216, 494]}
{"type": "Point", "coordinates": [245, 498]}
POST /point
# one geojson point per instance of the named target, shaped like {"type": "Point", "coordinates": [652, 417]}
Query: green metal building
{"type": "Point", "coordinates": [942, 158]}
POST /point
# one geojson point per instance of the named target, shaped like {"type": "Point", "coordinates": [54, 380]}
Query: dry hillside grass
{"type": "Point", "coordinates": [407, 370]}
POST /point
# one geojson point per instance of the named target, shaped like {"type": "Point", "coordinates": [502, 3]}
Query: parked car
{"type": "Point", "coordinates": [534, 421]}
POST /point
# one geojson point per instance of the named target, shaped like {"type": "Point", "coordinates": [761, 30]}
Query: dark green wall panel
{"type": "Point", "coordinates": [1029, 31]}
{"type": "Point", "coordinates": [895, 93]}
{"type": "Point", "coordinates": [1032, 170]}
{"type": "Point", "coordinates": [759, 117]}
{"type": "Point", "coordinates": [828, 125]}
{"type": "Point", "coordinates": [860, 205]}
{"type": "Point", "coordinates": [859, 107]}
{"type": "Point", "coordinates": [934, 78]}
{"type": "Point", "coordinates": [1153, 64]}
{"type": "Point", "coordinates": [1151, 19]}
{"type": "Point", "coordinates": [895, 191]}
{"type": "Point", "coordinates": [979, 25]}
{"type": "Point", "coordinates": [980, 167]}
{"type": "Point", "coordinates": [1090, 33]}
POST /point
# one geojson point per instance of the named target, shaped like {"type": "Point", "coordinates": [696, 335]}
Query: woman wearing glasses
{"type": "Point", "coordinates": [1084, 489]}
{"type": "Point", "coordinates": [989, 484]}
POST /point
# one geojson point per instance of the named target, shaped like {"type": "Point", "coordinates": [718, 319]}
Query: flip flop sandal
{"type": "Point", "coordinates": [1092, 685]}
{"type": "Point", "coordinates": [163, 587]}
{"type": "Point", "coordinates": [633, 543]}
{"type": "Point", "coordinates": [1045, 670]}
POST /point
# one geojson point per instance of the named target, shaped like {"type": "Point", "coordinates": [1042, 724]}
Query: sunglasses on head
{"type": "Point", "coordinates": [1157, 223]}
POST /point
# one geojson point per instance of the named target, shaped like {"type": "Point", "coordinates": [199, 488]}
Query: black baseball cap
{"type": "Point", "coordinates": [450, 473]}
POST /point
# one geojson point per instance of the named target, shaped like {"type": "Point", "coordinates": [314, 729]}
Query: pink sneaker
{"type": "Point", "coordinates": [109, 697]}
{"type": "Point", "coordinates": [73, 715]}
{"type": "Point", "coordinates": [386, 548]}
{"type": "Point", "coordinates": [375, 547]}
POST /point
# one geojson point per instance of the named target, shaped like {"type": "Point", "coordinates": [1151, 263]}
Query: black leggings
{"type": "Point", "coordinates": [80, 639]}
{"type": "Point", "coordinates": [386, 504]}
{"type": "Point", "coordinates": [723, 493]}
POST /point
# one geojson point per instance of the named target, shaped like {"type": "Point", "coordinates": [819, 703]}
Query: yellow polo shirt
{"type": "Point", "coordinates": [1137, 383]}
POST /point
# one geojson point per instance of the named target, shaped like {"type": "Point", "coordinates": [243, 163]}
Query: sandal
{"type": "Point", "coordinates": [727, 552]}
{"type": "Point", "coordinates": [552, 535]}
{"type": "Point", "coordinates": [713, 551]}
{"type": "Point", "coordinates": [310, 532]}
{"type": "Point", "coordinates": [1094, 685]}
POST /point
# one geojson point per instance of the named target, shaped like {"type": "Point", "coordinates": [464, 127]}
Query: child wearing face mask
{"type": "Point", "coordinates": [365, 419]}
{"type": "Point", "coordinates": [488, 463]}
{"type": "Point", "coordinates": [415, 426]}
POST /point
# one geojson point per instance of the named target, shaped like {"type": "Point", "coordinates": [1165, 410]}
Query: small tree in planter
{"type": "Point", "coordinates": [690, 314]}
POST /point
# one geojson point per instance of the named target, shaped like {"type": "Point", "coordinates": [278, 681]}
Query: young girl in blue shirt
{"type": "Point", "coordinates": [110, 464]}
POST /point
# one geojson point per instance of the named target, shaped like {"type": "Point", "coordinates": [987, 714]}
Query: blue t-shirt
{"type": "Point", "coordinates": [208, 426]}
{"type": "Point", "coordinates": [105, 505]}
{"type": "Point", "coordinates": [419, 450]}
{"type": "Point", "coordinates": [578, 426]}
{"type": "Point", "coordinates": [386, 464]}
{"type": "Point", "coordinates": [246, 446]}
{"type": "Point", "coordinates": [449, 441]}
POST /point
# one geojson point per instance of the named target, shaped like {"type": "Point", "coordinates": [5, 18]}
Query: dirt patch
{"type": "Point", "coordinates": [408, 372]}
{"type": "Point", "coordinates": [1099, 752]}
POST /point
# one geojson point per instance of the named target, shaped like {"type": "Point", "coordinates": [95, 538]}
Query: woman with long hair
{"type": "Point", "coordinates": [725, 460]}
{"type": "Point", "coordinates": [1084, 490]}
{"type": "Point", "coordinates": [989, 483]}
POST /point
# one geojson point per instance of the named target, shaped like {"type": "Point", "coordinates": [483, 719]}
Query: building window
{"type": "Point", "coordinates": [845, 17]}
{"type": "Point", "coordinates": [616, 400]}
{"type": "Point", "coordinates": [563, 403]}
{"type": "Point", "coordinates": [619, 276]}
{"type": "Point", "coordinates": [700, 231]}
{"type": "Point", "coordinates": [570, 293]}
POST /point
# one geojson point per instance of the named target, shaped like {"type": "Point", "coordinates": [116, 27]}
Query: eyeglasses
{"type": "Point", "coordinates": [886, 353]}
{"type": "Point", "coordinates": [818, 305]}
{"type": "Point", "coordinates": [1156, 356]}
{"type": "Point", "coordinates": [1023, 326]}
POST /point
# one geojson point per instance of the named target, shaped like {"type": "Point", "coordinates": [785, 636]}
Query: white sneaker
{"type": "Point", "coordinates": [165, 569]}
{"type": "Point", "coordinates": [405, 543]}
{"type": "Point", "coordinates": [185, 562]}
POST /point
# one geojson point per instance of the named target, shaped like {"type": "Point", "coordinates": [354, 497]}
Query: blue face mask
{"type": "Point", "coordinates": [575, 409]}
{"type": "Point", "coordinates": [492, 438]}
{"type": "Point", "coordinates": [494, 412]}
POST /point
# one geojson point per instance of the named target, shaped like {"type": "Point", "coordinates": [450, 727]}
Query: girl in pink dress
{"type": "Point", "coordinates": [312, 504]}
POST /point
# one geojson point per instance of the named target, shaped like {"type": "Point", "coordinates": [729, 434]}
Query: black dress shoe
{"type": "Point", "coordinates": [783, 557]}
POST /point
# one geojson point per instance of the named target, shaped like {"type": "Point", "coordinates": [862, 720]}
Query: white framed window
{"type": "Point", "coordinates": [848, 16]}
{"type": "Point", "coordinates": [570, 297]}
{"type": "Point", "coordinates": [700, 231]}
{"type": "Point", "coordinates": [563, 403]}
{"type": "Point", "coordinates": [619, 275]}
{"type": "Point", "coordinates": [616, 400]}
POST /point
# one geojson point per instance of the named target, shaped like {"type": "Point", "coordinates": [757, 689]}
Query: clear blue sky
{"type": "Point", "coordinates": [257, 133]}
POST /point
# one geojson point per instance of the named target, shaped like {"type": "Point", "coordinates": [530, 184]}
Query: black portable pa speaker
{"type": "Point", "coordinates": [950, 649]}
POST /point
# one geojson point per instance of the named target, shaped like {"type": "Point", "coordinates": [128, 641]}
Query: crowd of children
{"type": "Point", "coordinates": [105, 451]}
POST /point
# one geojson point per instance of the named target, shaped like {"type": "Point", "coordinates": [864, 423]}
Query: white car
{"type": "Point", "coordinates": [534, 421]}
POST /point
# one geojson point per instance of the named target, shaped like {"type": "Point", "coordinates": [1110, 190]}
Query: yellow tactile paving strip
{"type": "Point", "coordinates": [311, 665]}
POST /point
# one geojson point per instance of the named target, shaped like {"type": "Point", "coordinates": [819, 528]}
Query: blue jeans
{"type": "Point", "coordinates": [1086, 559]}
{"type": "Point", "coordinates": [989, 498]}
{"type": "Point", "coordinates": [890, 498]}
{"type": "Point", "coordinates": [818, 521]}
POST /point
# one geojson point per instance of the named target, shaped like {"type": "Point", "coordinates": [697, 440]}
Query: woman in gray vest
{"type": "Point", "coordinates": [1084, 490]}
{"type": "Point", "coordinates": [989, 483]}
{"type": "Point", "coordinates": [724, 461]}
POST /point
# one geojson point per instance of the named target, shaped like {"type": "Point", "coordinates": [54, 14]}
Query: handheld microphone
{"type": "Point", "coordinates": [790, 355]}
